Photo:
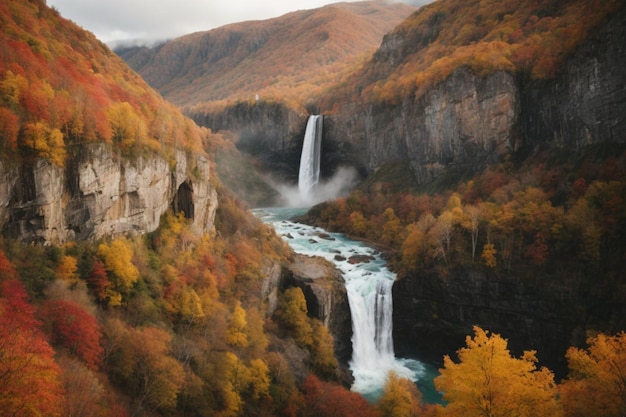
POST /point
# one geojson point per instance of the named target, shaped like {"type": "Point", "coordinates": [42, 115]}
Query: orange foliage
{"type": "Point", "coordinates": [485, 36]}
{"type": "Point", "coordinates": [325, 399]}
{"type": "Point", "coordinates": [596, 381]}
{"type": "Point", "coordinates": [56, 82]}
{"type": "Point", "coordinates": [30, 384]}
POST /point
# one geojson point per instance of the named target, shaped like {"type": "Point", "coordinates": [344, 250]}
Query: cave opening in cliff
{"type": "Point", "coordinates": [183, 201]}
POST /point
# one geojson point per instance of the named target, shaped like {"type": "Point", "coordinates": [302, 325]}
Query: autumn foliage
{"type": "Point", "coordinates": [30, 382]}
{"type": "Point", "coordinates": [488, 381]}
{"type": "Point", "coordinates": [531, 38]}
{"type": "Point", "coordinates": [60, 86]}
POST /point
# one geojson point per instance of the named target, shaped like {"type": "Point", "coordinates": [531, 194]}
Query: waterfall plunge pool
{"type": "Point", "coordinates": [368, 285]}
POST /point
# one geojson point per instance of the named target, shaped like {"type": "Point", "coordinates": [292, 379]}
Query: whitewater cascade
{"type": "Point", "coordinates": [368, 285]}
{"type": "Point", "coordinates": [309, 173]}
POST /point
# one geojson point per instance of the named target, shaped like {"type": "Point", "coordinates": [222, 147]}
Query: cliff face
{"type": "Point", "coordinates": [433, 315]}
{"type": "Point", "coordinates": [586, 103]}
{"type": "Point", "coordinates": [464, 119]}
{"type": "Point", "coordinates": [471, 119]}
{"type": "Point", "coordinates": [326, 298]}
{"type": "Point", "coordinates": [101, 194]}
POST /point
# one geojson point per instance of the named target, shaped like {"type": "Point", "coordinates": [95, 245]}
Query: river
{"type": "Point", "coordinates": [368, 285]}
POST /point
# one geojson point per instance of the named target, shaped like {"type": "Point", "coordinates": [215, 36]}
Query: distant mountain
{"type": "Point", "coordinates": [288, 59]}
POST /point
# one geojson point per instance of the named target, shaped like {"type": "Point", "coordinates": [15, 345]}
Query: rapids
{"type": "Point", "coordinates": [368, 286]}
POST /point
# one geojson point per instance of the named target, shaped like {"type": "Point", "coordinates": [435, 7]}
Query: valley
{"type": "Point", "coordinates": [470, 154]}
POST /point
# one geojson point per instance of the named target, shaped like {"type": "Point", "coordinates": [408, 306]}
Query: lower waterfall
{"type": "Point", "coordinates": [368, 285]}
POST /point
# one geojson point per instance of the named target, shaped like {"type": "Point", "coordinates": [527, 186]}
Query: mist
{"type": "Point", "coordinates": [340, 184]}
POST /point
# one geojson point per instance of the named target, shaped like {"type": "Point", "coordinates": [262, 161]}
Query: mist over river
{"type": "Point", "coordinates": [368, 283]}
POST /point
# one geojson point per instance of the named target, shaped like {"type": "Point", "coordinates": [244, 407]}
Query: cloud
{"type": "Point", "coordinates": [150, 20]}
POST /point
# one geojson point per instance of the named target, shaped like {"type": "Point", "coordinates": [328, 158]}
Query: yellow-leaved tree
{"type": "Point", "coordinates": [400, 398]}
{"type": "Point", "coordinates": [117, 258]}
{"type": "Point", "coordinates": [596, 385]}
{"type": "Point", "coordinates": [489, 382]}
{"type": "Point", "coordinates": [236, 334]}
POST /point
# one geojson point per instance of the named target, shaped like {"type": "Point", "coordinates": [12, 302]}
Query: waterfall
{"type": "Point", "coordinates": [309, 174]}
{"type": "Point", "coordinates": [368, 285]}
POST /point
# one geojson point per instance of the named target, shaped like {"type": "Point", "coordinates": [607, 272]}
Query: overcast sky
{"type": "Point", "coordinates": [152, 20]}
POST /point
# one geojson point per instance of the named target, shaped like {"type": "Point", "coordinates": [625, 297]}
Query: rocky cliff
{"type": "Point", "coordinates": [433, 315]}
{"type": "Point", "coordinates": [472, 119]}
{"type": "Point", "coordinates": [586, 102]}
{"type": "Point", "coordinates": [462, 120]}
{"type": "Point", "coordinates": [326, 298]}
{"type": "Point", "coordinates": [271, 133]}
{"type": "Point", "coordinates": [102, 194]}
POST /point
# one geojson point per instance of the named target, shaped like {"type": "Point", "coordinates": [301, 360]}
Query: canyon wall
{"type": "Point", "coordinates": [471, 119]}
{"type": "Point", "coordinates": [465, 119]}
{"type": "Point", "coordinates": [99, 193]}
{"type": "Point", "coordinates": [434, 314]}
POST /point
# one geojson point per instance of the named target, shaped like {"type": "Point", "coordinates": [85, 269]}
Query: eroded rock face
{"type": "Point", "coordinates": [586, 102]}
{"type": "Point", "coordinates": [101, 194]}
{"type": "Point", "coordinates": [461, 120]}
{"type": "Point", "coordinates": [326, 298]}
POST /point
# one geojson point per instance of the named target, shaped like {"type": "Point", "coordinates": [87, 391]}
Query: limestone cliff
{"type": "Point", "coordinates": [102, 194]}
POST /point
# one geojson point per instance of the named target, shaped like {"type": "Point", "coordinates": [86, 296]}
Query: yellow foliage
{"type": "Point", "coordinates": [236, 335]}
{"type": "Point", "coordinates": [258, 379]}
{"type": "Point", "coordinates": [127, 126]}
{"type": "Point", "coordinates": [48, 143]}
{"type": "Point", "coordinates": [400, 398]}
{"type": "Point", "coordinates": [489, 382]}
{"type": "Point", "coordinates": [323, 350]}
{"type": "Point", "coordinates": [117, 258]}
{"type": "Point", "coordinates": [597, 377]}
{"type": "Point", "coordinates": [66, 270]}
{"type": "Point", "coordinates": [293, 314]}
{"type": "Point", "coordinates": [489, 255]}
{"type": "Point", "coordinates": [12, 87]}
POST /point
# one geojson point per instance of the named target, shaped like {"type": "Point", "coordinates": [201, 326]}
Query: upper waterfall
{"type": "Point", "coordinates": [309, 174]}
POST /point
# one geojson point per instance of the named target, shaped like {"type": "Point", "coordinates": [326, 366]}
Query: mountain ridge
{"type": "Point", "coordinates": [279, 51]}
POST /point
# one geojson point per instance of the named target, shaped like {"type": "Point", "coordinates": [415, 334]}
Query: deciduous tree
{"type": "Point", "coordinates": [400, 398]}
{"type": "Point", "coordinates": [73, 328]}
{"type": "Point", "coordinates": [596, 385]}
{"type": "Point", "coordinates": [489, 382]}
{"type": "Point", "coordinates": [29, 377]}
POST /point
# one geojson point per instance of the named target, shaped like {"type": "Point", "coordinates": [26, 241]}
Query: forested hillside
{"type": "Point", "coordinates": [530, 37]}
{"type": "Point", "coordinates": [289, 59]}
{"type": "Point", "coordinates": [60, 86]}
{"type": "Point", "coordinates": [180, 322]}
{"type": "Point", "coordinates": [171, 322]}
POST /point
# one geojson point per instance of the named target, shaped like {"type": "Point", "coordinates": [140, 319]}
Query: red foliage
{"type": "Point", "coordinates": [30, 382]}
{"type": "Point", "coordinates": [324, 399]}
{"type": "Point", "coordinates": [74, 329]}
{"type": "Point", "coordinates": [9, 128]}
{"type": "Point", "coordinates": [98, 281]}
